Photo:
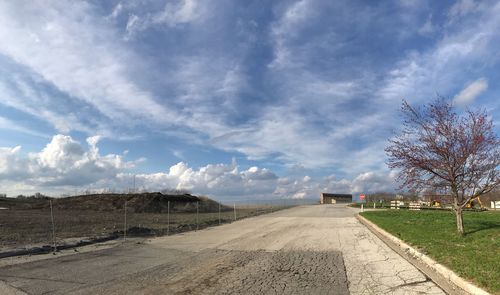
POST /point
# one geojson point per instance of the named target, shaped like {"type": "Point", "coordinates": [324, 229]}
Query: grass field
{"type": "Point", "coordinates": [476, 256]}
{"type": "Point", "coordinates": [19, 228]}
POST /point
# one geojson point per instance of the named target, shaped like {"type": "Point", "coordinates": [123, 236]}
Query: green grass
{"type": "Point", "coordinates": [369, 205]}
{"type": "Point", "coordinates": [476, 256]}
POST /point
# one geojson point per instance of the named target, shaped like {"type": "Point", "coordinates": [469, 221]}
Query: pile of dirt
{"type": "Point", "coordinates": [154, 202]}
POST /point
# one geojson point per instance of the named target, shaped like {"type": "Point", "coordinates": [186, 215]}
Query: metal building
{"type": "Point", "coordinates": [327, 198]}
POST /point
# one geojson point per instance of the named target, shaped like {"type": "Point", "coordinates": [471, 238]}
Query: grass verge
{"type": "Point", "coordinates": [476, 256]}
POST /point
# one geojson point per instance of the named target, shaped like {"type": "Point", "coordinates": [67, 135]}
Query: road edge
{"type": "Point", "coordinates": [445, 278]}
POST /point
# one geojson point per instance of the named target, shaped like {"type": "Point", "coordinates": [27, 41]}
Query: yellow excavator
{"type": "Point", "coordinates": [474, 202]}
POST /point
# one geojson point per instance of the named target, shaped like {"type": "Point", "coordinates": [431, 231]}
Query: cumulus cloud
{"type": "Point", "coordinates": [471, 92]}
{"type": "Point", "coordinates": [219, 180]}
{"type": "Point", "coordinates": [65, 164]}
{"type": "Point", "coordinates": [12, 165]}
{"type": "Point", "coordinates": [62, 162]}
{"type": "Point", "coordinates": [306, 187]}
{"type": "Point", "coordinates": [374, 182]}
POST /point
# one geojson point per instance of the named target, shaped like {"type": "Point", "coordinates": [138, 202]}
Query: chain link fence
{"type": "Point", "coordinates": [49, 225]}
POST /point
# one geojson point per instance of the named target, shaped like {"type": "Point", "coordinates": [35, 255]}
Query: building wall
{"type": "Point", "coordinates": [343, 200]}
{"type": "Point", "coordinates": [328, 200]}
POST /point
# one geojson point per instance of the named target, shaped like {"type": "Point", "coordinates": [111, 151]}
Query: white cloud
{"type": "Point", "coordinates": [420, 75]}
{"type": "Point", "coordinates": [12, 165]}
{"type": "Point", "coordinates": [174, 14]}
{"type": "Point", "coordinates": [20, 93]}
{"type": "Point", "coordinates": [178, 154]}
{"type": "Point", "coordinates": [185, 11]}
{"type": "Point", "coordinates": [117, 10]}
{"type": "Point", "coordinates": [10, 125]}
{"type": "Point", "coordinates": [368, 182]}
{"type": "Point", "coordinates": [373, 182]}
{"type": "Point", "coordinates": [428, 27]}
{"type": "Point", "coordinates": [462, 8]}
{"type": "Point", "coordinates": [73, 49]}
{"type": "Point", "coordinates": [63, 162]}
{"type": "Point", "coordinates": [83, 56]}
{"type": "Point", "coordinates": [471, 92]}
{"type": "Point", "coordinates": [65, 165]}
{"type": "Point", "coordinates": [308, 116]}
{"type": "Point", "coordinates": [132, 24]}
{"type": "Point", "coordinates": [286, 27]}
{"type": "Point", "coordinates": [219, 180]}
{"type": "Point", "coordinates": [60, 154]}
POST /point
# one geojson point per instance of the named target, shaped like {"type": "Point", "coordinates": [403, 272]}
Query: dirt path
{"type": "Point", "coordinates": [304, 250]}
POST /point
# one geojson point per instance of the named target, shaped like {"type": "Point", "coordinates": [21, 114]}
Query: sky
{"type": "Point", "coordinates": [230, 99]}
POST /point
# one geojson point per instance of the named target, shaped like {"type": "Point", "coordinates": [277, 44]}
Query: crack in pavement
{"type": "Point", "coordinates": [411, 284]}
{"type": "Point", "coordinates": [296, 251]}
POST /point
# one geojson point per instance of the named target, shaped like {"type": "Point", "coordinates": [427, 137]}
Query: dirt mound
{"type": "Point", "coordinates": [139, 203]}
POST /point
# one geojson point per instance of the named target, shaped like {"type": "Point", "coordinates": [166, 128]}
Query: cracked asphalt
{"type": "Point", "coordinates": [303, 250]}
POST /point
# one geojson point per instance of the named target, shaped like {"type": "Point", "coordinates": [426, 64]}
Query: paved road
{"type": "Point", "coordinates": [303, 250]}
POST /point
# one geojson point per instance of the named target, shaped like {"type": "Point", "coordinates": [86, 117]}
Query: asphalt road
{"type": "Point", "coordinates": [318, 249]}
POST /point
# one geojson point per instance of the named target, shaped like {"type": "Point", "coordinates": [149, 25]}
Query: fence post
{"type": "Point", "coordinates": [168, 217]}
{"type": "Point", "coordinates": [219, 213]}
{"type": "Point", "coordinates": [197, 212]}
{"type": "Point", "coordinates": [53, 227]}
{"type": "Point", "coordinates": [125, 221]}
{"type": "Point", "coordinates": [234, 204]}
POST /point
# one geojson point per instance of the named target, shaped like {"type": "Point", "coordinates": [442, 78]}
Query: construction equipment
{"type": "Point", "coordinates": [435, 203]}
{"type": "Point", "coordinates": [474, 202]}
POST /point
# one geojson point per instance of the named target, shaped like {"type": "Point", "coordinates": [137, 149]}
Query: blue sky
{"type": "Point", "coordinates": [232, 99]}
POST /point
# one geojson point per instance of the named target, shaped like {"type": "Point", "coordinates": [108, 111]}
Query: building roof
{"type": "Point", "coordinates": [342, 196]}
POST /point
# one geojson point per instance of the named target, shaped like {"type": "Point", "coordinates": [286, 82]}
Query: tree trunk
{"type": "Point", "coordinates": [460, 220]}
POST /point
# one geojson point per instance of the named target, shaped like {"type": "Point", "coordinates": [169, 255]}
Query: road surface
{"type": "Point", "coordinates": [319, 249]}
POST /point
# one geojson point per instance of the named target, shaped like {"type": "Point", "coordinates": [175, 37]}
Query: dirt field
{"type": "Point", "coordinates": [25, 228]}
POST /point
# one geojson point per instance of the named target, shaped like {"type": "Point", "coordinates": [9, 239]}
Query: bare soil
{"type": "Point", "coordinates": [33, 227]}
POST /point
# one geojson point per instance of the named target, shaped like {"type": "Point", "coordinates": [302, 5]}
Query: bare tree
{"type": "Point", "coordinates": [442, 150]}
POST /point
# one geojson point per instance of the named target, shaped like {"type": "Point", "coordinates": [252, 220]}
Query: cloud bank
{"type": "Point", "coordinates": [65, 165]}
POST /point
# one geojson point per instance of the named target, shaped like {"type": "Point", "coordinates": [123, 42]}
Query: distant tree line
{"type": "Point", "coordinates": [35, 196]}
